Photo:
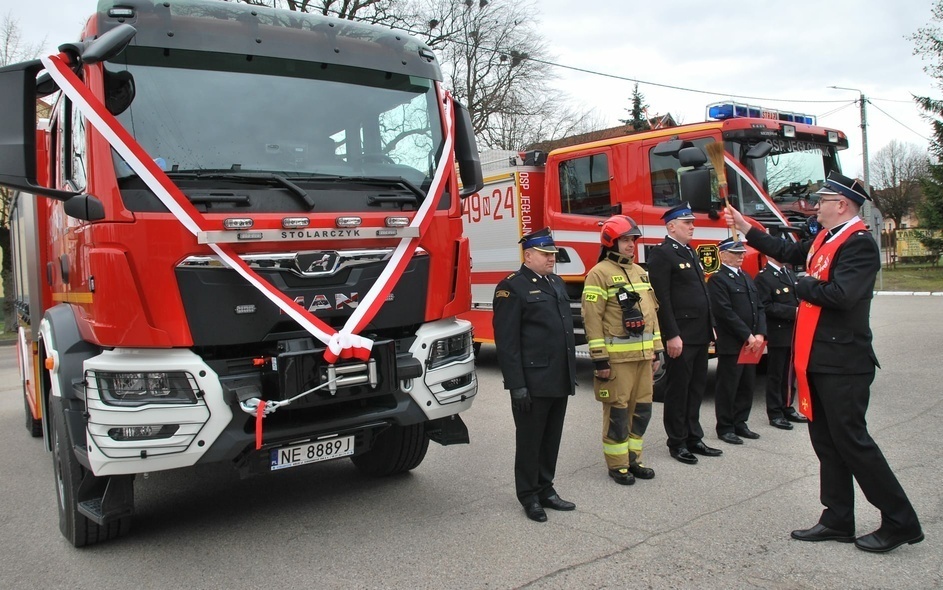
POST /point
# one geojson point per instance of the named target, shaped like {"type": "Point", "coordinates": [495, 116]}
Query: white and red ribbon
{"type": "Point", "coordinates": [343, 344]}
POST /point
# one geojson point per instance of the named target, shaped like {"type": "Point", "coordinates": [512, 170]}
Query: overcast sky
{"type": "Point", "coordinates": [767, 49]}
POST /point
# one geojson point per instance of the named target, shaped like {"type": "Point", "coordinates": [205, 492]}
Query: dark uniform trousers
{"type": "Point", "coordinates": [846, 450]}
{"type": "Point", "coordinates": [733, 399]}
{"type": "Point", "coordinates": [686, 379]}
{"type": "Point", "coordinates": [538, 443]}
{"type": "Point", "coordinates": [778, 381]}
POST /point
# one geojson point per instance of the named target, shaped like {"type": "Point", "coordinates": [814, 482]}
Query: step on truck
{"type": "Point", "coordinates": [771, 158]}
{"type": "Point", "coordinates": [237, 239]}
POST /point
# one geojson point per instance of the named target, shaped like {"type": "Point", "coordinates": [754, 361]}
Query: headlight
{"type": "Point", "coordinates": [447, 350]}
{"type": "Point", "coordinates": [139, 389]}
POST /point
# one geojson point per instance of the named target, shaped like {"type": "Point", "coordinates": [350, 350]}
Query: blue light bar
{"type": "Point", "coordinates": [721, 111]}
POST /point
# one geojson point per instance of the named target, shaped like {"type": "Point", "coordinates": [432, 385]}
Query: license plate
{"type": "Point", "coordinates": [312, 452]}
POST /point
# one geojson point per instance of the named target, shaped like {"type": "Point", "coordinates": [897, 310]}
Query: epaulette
{"type": "Point", "coordinates": [512, 275]}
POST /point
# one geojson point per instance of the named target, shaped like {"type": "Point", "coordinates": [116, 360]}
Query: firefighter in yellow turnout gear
{"type": "Point", "coordinates": [619, 315]}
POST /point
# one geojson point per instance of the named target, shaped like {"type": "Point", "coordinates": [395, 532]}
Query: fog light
{"type": "Point", "coordinates": [149, 432]}
{"type": "Point", "coordinates": [457, 382]}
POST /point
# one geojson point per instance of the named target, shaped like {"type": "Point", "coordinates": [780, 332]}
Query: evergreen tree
{"type": "Point", "coordinates": [929, 46]}
{"type": "Point", "coordinates": [639, 119]}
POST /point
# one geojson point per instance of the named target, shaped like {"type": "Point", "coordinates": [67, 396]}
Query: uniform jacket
{"type": "Point", "coordinates": [778, 296]}
{"type": "Point", "coordinates": [842, 339]}
{"type": "Point", "coordinates": [533, 332]}
{"type": "Point", "coordinates": [602, 314]}
{"type": "Point", "coordinates": [738, 312]}
{"type": "Point", "coordinates": [683, 303]}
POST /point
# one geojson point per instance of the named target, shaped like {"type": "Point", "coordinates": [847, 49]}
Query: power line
{"type": "Point", "coordinates": [833, 111]}
{"type": "Point", "coordinates": [927, 139]}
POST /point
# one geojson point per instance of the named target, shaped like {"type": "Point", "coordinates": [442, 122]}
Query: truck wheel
{"type": "Point", "coordinates": [33, 426]}
{"type": "Point", "coordinates": [396, 450]}
{"type": "Point", "coordinates": [75, 527]}
{"type": "Point", "coordinates": [660, 380]}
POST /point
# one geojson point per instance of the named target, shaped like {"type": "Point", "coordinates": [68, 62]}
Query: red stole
{"type": "Point", "coordinates": [818, 265]}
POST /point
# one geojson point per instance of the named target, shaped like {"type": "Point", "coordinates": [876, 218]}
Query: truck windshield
{"type": "Point", "coordinates": [207, 112]}
{"type": "Point", "coordinates": [792, 171]}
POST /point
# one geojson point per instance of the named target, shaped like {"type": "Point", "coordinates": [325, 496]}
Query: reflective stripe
{"type": "Point", "coordinates": [633, 347]}
{"type": "Point", "coordinates": [596, 290]}
{"type": "Point", "coordinates": [635, 444]}
{"type": "Point", "coordinates": [596, 343]}
{"type": "Point", "coordinates": [616, 449]}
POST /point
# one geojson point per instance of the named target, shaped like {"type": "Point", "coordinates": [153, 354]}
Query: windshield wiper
{"type": "Point", "coordinates": [390, 181]}
{"type": "Point", "coordinates": [250, 177]}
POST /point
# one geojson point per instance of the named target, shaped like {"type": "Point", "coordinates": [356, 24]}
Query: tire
{"type": "Point", "coordinates": [75, 527]}
{"type": "Point", "coordinates": [660, 381]}
{"type": "Point", "coordinates": [33, 426]}
{"type": "Point", "coordinates": [396, 450]}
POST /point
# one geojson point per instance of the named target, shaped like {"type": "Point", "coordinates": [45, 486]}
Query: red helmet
{"type": "Point", "coordinates": [617, 226]}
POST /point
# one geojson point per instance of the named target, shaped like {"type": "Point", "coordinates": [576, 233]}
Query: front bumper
{"type": "Point", "coordinates": [215, 429]}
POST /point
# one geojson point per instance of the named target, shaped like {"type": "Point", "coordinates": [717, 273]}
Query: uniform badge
{"type": "Point", "coordinates": [618, 279]}
{"type": "Point", "coordinates": [643, 278]}
{"type": "Point", "coordinates": [603, 393]}
{"type": "Point", "coordinates": [591, 297]}
{"type": "Point", "coordinates": [778, 291]}
{"type": "Point", "coordinates": [502, 293]}
{"type": "Point", "coordinates": [687, 264]}
{"type": "Point", "coordinates": [731, 275]}
{"type": "Point", "coordinates": [533, 292]}
{"type": "Point", "coordinates": [681, 265]}
{"type": "Point", "coordinates": [785, 289]}
{"type": "Point", "coordinates": [709, 256]}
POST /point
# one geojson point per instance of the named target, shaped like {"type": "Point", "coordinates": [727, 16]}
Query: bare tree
{"type": "Point", "coordinates": [13, 49]}
{"type": "Point", "coordinates": [896, 172]}
{"type": "Point", "coordinates": [493, 60]}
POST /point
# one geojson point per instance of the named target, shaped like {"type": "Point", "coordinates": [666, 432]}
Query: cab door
{"type": "Point", "coordinates": [580, 196]}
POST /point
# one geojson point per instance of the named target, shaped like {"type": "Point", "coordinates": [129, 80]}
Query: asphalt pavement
{"type": "Point", "coordinates": [454, 521]}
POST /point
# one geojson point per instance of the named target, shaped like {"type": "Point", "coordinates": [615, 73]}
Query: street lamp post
{"type": "Point", "coordinates": [870, 219]}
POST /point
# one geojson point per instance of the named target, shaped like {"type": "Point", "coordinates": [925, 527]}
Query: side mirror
{"type": "Point", "coordinates": [466, 153]}
{"type": "Point", "coordinates": [18, 130]}
{"type": "Point", "coordinates": [85, 207]}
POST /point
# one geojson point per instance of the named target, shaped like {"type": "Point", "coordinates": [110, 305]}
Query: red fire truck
{"type": "Point", "coordinates": [237, 240]}
{"type": "Point", "coordinates": [769, 156]}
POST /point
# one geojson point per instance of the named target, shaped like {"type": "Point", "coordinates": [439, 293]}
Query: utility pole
{"type": "Point", "coordinates": [872, 218]}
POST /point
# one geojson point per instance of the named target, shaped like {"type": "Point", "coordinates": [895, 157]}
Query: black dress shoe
{"type": "Point", "coordinates": [794, 416]}
{"type": "Point", "coordinates": [882, 541]}
{"type": "Point", "coordinates": [701, 449]}
{"type": "Point", "coordinates": [535, 512]}
{"type": "Point", "coordinates": [781, 423]}
{"type": "Point", "coordinates": [746, 433]}
{"type": "Point", "coordinates": [729, 437]}
{"type": "Point", "coordinates": [821, 532]}
{"type": "Point", "coordinates": [557, 503]}
{"type": "Point", "coordinates": [622, 476]}
{"type": "Point", "coordinates": [642, 472]}
{"type": "Point", "coordinates": [683, 455]}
